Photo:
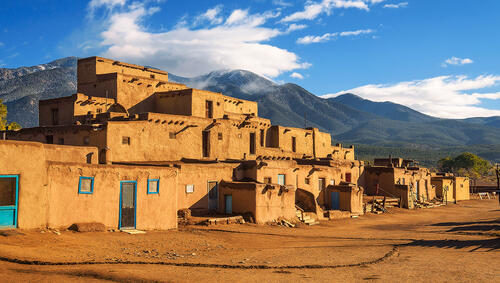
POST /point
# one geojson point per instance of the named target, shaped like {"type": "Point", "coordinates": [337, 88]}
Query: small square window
{"type": "Point", "coordinates": [189, 189]}
{"type": "Point", "coordinates": [171, 135]}
{"type": "Point", "coordinates": [86, 185]}
{"type": "Point", "coordinates": [126, 140]}
{"type": "Point", "coordinates": [219, 136]}
{"type": "Point", "coordinates": [153, 186]}
{"type": "Point", "coordinates": [307, 181]}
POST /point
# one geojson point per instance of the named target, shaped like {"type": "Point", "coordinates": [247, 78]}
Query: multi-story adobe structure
{"type": "Point", "coordinates": [130, 148]}
{"type": "Point", "coordinates": [400, 178]}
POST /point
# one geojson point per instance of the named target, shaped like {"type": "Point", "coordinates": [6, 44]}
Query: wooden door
{"type": "Point", "coordinates": [213, 195]}
{"type": "Point", "coordinates": [228, 200]}
{"type": "Point", "coordinates": [335, 200]}
{"type": "Point", "coordinates": [128, 205]}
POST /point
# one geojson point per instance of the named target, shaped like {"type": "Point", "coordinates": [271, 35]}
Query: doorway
{"type": "Point", "coordinates": [128, 201]}
{"type": "Point", "coordinates": [228, 200]}
{"type": "Point", "coordinates": [335, 200]}
{"type": "Point", "coordinates": [9, 188]}
{"type": "Point", "coordinates": [213, 195]}
{"type": "Point", "coordinates": [252, 143]}
{"type": "Point", "coordinates": [209, 109]}
{"type": "Point", "coordinates": [206, 143]}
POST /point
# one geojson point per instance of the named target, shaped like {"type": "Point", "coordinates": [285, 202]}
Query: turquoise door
{"type": "Point", "coordinates": [9, 187]}
{"type": "Point", "coordinates": [228, 199]}
{"type": "Point", "coordinates": [335, 199]}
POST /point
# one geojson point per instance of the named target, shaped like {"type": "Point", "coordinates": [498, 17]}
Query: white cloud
{"type": "Point", "coordinates": [211, 15]}
{"type": "Point", "coordinates": [396, 6]}
{"type": "Point", "coordinates": [443, 96]}
{"type": "Point", "coordinates": [94, 4]}
{"type": "Point", "coordinates": [238, 42]}
{"type": "Point", "coordinates": [296, 75]}
{"type": "Point", "coordinates": [282, 3]}
{"type": "Point", "coordinates": [314, 9]}
{"type": "Point", "coordinates": [294, 27]}
{"type": "Point", "coordinates": [308, 39]}
{"type": "Point", "coordinates": [457, 61]}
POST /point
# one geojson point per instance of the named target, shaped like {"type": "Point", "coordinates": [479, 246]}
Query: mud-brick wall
{"type": "Point", "coordinates": [27, 160]}
{"type": "Point", "coordinates": [198, 175]}
{"type": "Point", "coordinates": [462, 191]}
{"type": "Point", "coordinates": [67, 206]}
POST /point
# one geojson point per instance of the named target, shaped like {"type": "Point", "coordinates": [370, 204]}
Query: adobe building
{"type": "Point", "coordinates": [399, 178]}
{"type": "Point", "coordinates": [451, 188]}
{"type": "Point", "coordinates": [128, 130]}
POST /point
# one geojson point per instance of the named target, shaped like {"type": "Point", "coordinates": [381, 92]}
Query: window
{"type": "Point", "coordinates": [189, 189]}
{"type": "Point", "coordinates": [99, 110]}
{"type": "Point", "coordinates": [86, 140]}
{"type": "Point", "coordinates": [307, 181]}
{"type": "Point", "coordinates": [219, 136]}
{"type": "Point", "coordinates": [49, 139]}
{"type": "Point", "coordinates": [261, 137]}
{"type": "Point", "coordinates": [321, 184]}
{"type": "Point", "coordinates": [268, 180]}
{"type": "Point", "coordinates": [294, 144]}
{"type": "Point", "coordinates": [171, 135]}
{"type": "Point", "coordinates": [281, 179]}
{"type": "Point", "coordinates": [152, 76]}
{"type": "Point", "coordinates": [126, 140]}
{"type": "Point", "coordinates": [86, 185]}
{"type": "Point", "coordinates": [61, 140]}
{"type": "Point", "coordinates": [153, 186]}
{"type": "Point", "coordinates": [332, 182]}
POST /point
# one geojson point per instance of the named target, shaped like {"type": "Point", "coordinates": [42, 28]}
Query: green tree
{"type": "Point", "coordinates": [466, 164]}
{"type": "Point", "coordinates": [3, 120]}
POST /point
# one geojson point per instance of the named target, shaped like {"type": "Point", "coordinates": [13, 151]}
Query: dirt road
{"type": "Point", "coordinates": [455, 243]}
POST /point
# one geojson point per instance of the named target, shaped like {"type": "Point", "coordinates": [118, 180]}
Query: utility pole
{"type": "Point", "coordinates": [497, 171]}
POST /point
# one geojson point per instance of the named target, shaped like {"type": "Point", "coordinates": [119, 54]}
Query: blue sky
{"type": "Point", "coordinates": [438, 57]}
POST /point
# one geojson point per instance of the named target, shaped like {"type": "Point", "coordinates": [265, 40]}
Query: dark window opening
{"type": "Point", "coordinates": [294, 144]}
{"type": "Point", "coordinates": [219, 136]}
{"type": "Point", "coordinates": [7, 191]}
{"type": "Point", "coordinates": [307, 181]}
{"type": "Point", "coordinates": [55, 116]}
{"type": "Point", "coordinates": [49, 139]}
{"type": "Point", "coordinates": [152, 76]}
{"type": "Point", "coordinates": [262, 138]}
{"type": "Point", "coordinates": [268, 180]}
{"type": "Point", "coordinates": [126, 140]}
{"type": "Point", "coordinates": [206, 143]}
{"type": "Point", "coordinates": [99, 110]}
{"type": "Point", "coordinates": [209, 108]}
{"type": "Point", "coordinates": [348, 177]}
{"type": "Point", "coordinates": [252, 143]}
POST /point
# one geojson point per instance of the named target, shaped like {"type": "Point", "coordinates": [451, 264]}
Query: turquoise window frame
{"type": "Point", "coordinates": [91, 185]}
{"type": "Point", "coordinates": [157, 187]}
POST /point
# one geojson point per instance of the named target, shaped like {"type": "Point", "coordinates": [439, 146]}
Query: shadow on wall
{"type": "Point", "coordinates": [305, 200]}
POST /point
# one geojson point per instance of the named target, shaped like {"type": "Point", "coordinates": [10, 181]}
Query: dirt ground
{"type": "Point", "coordinates": [459, 242]}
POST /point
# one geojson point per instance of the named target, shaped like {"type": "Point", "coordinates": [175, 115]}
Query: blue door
{"type": "Point", "coordinates": [9, 188]}
{"type": "Point", "coordinates": [228, 199]}
{"type": "Point", "coordinates": [335, 199]}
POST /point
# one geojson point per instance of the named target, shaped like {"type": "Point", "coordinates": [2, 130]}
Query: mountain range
{"type": "Point", "coordinates": [348, 117]}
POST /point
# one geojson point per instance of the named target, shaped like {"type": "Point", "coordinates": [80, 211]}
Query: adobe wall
{"type": "Point", "coordinates": [88, 68]}
{"type": "Point", "coordinates": [461, 188]}
{"type": "Point", "coordinates": [64, 153]}
{"type": "Point", "coordinates": [199, 175]}
{"type": "Point", "coordinates": [266, 202]}
{"type": "Point", "coordinates": [281, 137]}
{"type": "Point", "coordinates": [174, 102]}
{"type": "Point", "coordinates": [64, 107]}
{"type": "Point", "coordinates": [67, 206]}
{"type": "Point", "coordinates": [350, 198]}
{"type": "Point", "coordinates": [422, 177]}
{"type": "Point", "coordinates": [439, 185]}
{"type": "Point", "coordinates": [27, 159]}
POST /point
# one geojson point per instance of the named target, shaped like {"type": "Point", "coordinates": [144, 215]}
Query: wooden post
{"type": "Point", "coordinates": [497, 171]}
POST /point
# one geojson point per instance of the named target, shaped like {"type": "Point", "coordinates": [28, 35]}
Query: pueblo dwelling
{"type": "Point", "coordinates": [130, 149]}
{"type": "Point", "coordinates": [450, 187]}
